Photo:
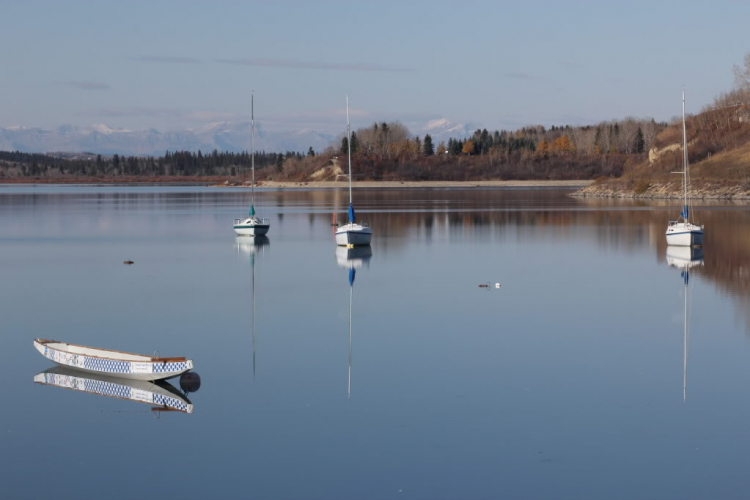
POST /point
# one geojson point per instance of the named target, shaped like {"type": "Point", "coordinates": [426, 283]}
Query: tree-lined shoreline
{"type": "Point", "coordinates": [626, 158]}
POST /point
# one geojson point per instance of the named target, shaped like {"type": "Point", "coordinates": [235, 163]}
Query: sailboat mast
{"type": "Point", "coordinates": [684, 156]}
{"type": "Point", "coordinates": [349, 146]}
{"type": "Point", "coordinates": [252, 141]}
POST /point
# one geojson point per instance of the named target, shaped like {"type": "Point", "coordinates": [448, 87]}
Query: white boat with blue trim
{"type": "Point", "coordinates": [352, 233]}
{"type": "Point", "coordinates": [112, 363]}
{"type": "Point", "coordinates": [682, 232]}
{"type": "Point", "coordinates": [252, 225]}
{"type": "Point", "coordinates": [161, 395]}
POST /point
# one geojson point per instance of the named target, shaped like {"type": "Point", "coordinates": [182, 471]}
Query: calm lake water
{"type": "Point", "coordinates": [572, 380]}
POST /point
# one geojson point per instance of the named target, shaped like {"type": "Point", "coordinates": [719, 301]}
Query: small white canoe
{"type": "Point", "coordinates": [162, 395]}
{"type": "Point", "coordinates": [112, 363]}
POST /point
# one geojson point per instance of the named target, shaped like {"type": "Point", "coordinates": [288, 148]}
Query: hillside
{"type": "Point", "coordinates": [718, 152]}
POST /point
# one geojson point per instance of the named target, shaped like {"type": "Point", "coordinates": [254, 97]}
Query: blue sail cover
{"type": "Point", "coordinates": [684, 213]}
{"type": "Point", "coordinates": [685, 276]}
{"type": "Point", "coordinates": [352, 272]}
{"type": "Point", "coordinates": [352, 218]}
{"type": "Point", "coordinates": [252, 210]}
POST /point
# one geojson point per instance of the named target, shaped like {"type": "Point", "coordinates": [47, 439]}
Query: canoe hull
{"type": "Point", "coordinates": [137, 369]}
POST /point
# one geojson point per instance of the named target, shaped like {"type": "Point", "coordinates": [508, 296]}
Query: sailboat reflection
{"type": "Point", "coordinates": [252, 245]}
{"type": "Point", "coordinates": [685, 258]}
{"type": "Point", "coordinates": [161, 394]}
{"type": "Point", "coordinates": [352, 259]}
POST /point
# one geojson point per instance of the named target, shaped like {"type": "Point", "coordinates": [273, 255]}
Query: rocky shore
{"type": "Point", "coordinates": [413, 184]}
{"type": "Point", "coordinates": [704, 191]}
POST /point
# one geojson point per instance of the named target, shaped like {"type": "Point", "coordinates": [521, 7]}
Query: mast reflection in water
{"type": "Point", "coordinates": [352, 259]}
{"type": "Point", "coordinates": [685, 258]}
{"type": "Point", "coordinates": [252, 245]}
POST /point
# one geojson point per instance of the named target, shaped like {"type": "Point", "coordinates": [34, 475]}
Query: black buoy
{"type": "Point", "coordinates": [190, 382]}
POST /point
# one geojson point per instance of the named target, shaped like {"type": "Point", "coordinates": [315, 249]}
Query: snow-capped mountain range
{"type": "Point", "coordinates": [223, 136]}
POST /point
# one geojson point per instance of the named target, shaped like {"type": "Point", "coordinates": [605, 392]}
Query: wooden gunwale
{"type": "Point", "coordinates": [152, 359]}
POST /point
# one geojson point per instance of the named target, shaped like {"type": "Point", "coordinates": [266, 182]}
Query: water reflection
{"type": "Point", "coordinates": [352, 259]}
{"type": "Point", "coordinates": [162, 395]}
{"type": "Point", "coordinates": [685, 259]}
{"type": "Point", "coordinates": [252, 245]}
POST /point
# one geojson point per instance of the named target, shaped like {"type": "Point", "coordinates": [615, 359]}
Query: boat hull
{"type": "Point", "coordinates": [355, 235]}
{"type": "Point", "coordinates": [251, 230]}
{"type": "Point", "coordinates": [685, 237]}
{"type": "Point", "coordinates": [123, 365]}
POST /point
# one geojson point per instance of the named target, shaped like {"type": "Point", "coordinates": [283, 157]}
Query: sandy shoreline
{"type": "Point", "coordinates": [419, 184]}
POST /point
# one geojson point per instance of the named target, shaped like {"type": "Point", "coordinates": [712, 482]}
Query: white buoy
{"type": "Point", "coordinates": [497, 285]}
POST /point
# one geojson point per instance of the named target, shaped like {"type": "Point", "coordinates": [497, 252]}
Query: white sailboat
{"type": "Point", "coordinates": [352, 233]}
{"type": "Point", "coordinates": [682, 232]}
{"type": "Point", "coordinates": [252, 225]}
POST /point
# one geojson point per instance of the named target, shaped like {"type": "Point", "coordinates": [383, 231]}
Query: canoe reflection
{"type": "Point", "coordinates": [162, 395]}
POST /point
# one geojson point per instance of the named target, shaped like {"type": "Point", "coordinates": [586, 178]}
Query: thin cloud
{"type": "Point", "coordinates": [172, 113]}
{"type": "Point", "coordinates": [168, 59]}
{"type": "Point", "coordinates": [135, 111]}
{"type": "Point", "coordinates": [89, 85]}
{"type": "Point", "coordinates": [291, 64]}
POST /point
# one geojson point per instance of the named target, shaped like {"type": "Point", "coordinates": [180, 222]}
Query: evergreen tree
{"type": "Point", "coordinates": [345, 145]}
{"type": "Point", "coordinates": [429, 148]}
{"type": "Point", "coordinates": [355, 143]}
{"type": "Point", "coordinates": [311, 152]}
{"type": "Point", "coordinates": [640, 142]}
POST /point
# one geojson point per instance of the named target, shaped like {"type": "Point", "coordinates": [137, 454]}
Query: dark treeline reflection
{"type": "Point", "coordinates": [404, 216]}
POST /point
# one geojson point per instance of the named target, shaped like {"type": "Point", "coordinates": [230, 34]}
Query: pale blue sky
{"type": "Point", "coordinates": [178, 64]}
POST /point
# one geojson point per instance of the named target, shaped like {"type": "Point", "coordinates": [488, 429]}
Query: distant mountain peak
{"type": "Point", "coordinates": [441, 123]}
{"type": "Point", "coordinates": [103, 139]}
{"type": "Point", "coordinates": [443, 129]}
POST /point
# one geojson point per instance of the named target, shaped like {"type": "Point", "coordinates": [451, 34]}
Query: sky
{"type": "Point", "coordinates": [171, 65]}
